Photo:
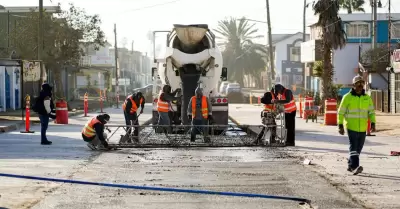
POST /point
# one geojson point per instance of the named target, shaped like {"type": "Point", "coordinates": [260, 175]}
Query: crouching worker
{"type": "Point", "coordinates": [268, 118]}
{"type": "Point", "coordinates": [199, 113]}
{"type": "Point", "coordinates": [130, 108]}
{"type": "Point", "coordinates": [93, 132]}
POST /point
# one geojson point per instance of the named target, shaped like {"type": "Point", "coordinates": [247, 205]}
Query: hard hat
{"type": "Point", "coordinates": [358, 78]}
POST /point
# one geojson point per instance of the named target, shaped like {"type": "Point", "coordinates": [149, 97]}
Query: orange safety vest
{"type": "Point", "coordinates": [204, 107]}
{"type": "Point", "coordinates": [134, 107]}
{"type": "Point", "coordinates": [162, 106]}
{"type": "Point", "coordinates": [270, 107]}
{"type": "Point", "coordinates": [291, 106]}
{"type": "Point", "coordinates": [88, 129]}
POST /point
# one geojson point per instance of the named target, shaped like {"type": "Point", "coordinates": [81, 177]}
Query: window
{"type": "Point", "coordinates": [295, 54]}
{"type": "Point", "coordinates": [395, 30]}
{"type": "Point", "coordinates": [358, 30]}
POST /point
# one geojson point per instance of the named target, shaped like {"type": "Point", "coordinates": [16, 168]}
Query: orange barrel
{"type": "Point", "coordinates": [61, 112]}
{"type": "Point", "coordinates": [330, 116]}
{"type": "Point", "coordinates": [308, 106]}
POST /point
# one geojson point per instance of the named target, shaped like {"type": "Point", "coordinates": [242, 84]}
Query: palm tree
{"type": "Point", "coordinates": [333, 37]}
{"type": "Point", "coordinates": [241, 56]}
{"type": "Point", "coordinates": [352, 5]}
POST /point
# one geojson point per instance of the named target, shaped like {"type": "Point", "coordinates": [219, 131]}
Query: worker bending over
{"type": "Point", "coordinates": [287, 99]}
{"type": "Point", "coordinates": [354, 111]}
{"type": "Point", "coordinates": [199, 113]}
{"type": "Point", "coordinates": [130, 107]}
{"type": "Point", "coordinates": [164, 105]}
{"type": "Point", "coordinates": [269, 108]}
{"type": "Point", "coordinates": [93, 132]}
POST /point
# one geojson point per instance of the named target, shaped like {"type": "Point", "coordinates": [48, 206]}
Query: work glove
{"type": "Point", "coordinates": [52, 116]}
{"type": "Point", "coordinates": [141, 111]}
{"type": "Point", "coordinates": [190, 117]}
{"type": "Point", "coordinates": [210, 119]}
{"type": "Point", "coordinates": [341, 129]}
{"type": "Point", "coordinates": [373, 127]}
{"type": "Point", "coordinates": [53, 111]}
{"type": "Point", "coordinates": [105, 144]}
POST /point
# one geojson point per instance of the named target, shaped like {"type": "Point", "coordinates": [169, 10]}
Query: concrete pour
{"type": "Point", "coordinates": [255, 170]}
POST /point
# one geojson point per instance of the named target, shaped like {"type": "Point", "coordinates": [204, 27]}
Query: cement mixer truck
{"type": "Point", "coordinates": [191, 59]}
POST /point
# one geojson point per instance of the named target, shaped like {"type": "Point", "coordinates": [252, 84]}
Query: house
{"type": "Point", "coordinates": [349, 60]}
{"type": "Point", "coordinates": [288, 67]}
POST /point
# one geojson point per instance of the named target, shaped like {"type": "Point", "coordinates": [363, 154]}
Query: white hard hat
{"type": "Point", "coordinates": [358, 78]}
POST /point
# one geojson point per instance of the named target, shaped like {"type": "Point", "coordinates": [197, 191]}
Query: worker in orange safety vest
{"type": "Point", "coordinates": [93, 132]}
{"type": "Point", "coordinates": [289, 104]}
{"type": "Point", "coordinates": [199, 113]}
{"type": "Point", "coordinates": [130, 108]}
{"type": "Point", "coordinates": [164, 105]}
{"type": "Point", "coordinates": [269, 107]}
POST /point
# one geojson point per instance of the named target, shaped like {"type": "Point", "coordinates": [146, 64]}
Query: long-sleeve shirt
{"type": "Point", "coordinates": [169, 97]}
{"type": "Point", "coordinates": [198, 108]}
{"type": "Point", "coordinates": [266, 99]}
{"type": "Point", "coordinates": [99, 128]}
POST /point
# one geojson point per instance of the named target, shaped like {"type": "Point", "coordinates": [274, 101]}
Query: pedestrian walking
{"type": "Point", "coordinates": [354, 111]}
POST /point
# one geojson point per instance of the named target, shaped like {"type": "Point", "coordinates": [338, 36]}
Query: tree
{"type": "Point", "coordinates": [352, 5]}
{"type": "Point", "coordinates": [333, 37]}
{"type": "Point", "coordinates": [64, 35]}
{"type": "Point", "coordinates": [240, 55]}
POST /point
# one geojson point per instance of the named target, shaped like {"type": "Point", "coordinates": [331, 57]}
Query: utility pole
{"type": "Point", "coordinates": [304, 40]}
{"type": "Point", "coordinates": [389, 51]}
{"type": "Point", "coordinates": [40, 43]}
{"type": "Point", "coordinates": [271, 48]}
{"type": "Point", "coordinates": [116, 64]}
{"type": "Point", "coordinates": [374, 42]}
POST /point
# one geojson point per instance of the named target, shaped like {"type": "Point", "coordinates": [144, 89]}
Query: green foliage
{"type": "Point", "coordinates": [240, 55]}
{"type": "Point", "coordinates": [318, 68]}
{"type": "Point", "coordinates": [333, 37]}
{"type": "Point", "coordinates": [352, 5]}
{"type": "Point", "coordinates": [379, 54]}
{"type": "Point", "coordinates": [63, 36]}
{"type": "Point", "coordinates": [88, 82]}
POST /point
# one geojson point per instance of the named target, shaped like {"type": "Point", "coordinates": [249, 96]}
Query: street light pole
{"type": "Point", "coordinates": [40, 43]}
{"type": "Point", "coordinates": [271, 52]}
{"type": "Point", "coordinates": [116, 64]}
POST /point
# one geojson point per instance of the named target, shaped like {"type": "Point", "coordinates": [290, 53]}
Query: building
{"type": "Point", "coordinates": [288, 67]}
{"type": "Point", "coordinates": [95, 71]}
{"type": "Point", "coordinates": [11, 74]}
{"type": "Point", "coordinates": [348, 61]}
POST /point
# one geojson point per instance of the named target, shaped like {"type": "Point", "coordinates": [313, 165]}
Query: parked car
{"type": "Point", "coordinates": [222, 87]}
{"type": "Point", "coordinates": [233, 87]}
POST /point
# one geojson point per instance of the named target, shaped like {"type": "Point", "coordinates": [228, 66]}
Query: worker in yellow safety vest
{"type": "Point", "coordinates": [354, 111]}
{"type": "Point", "coordinates": [93, 132]}
{"type": "Point", "coordinates": [199, 113]}
{"type": "Point", "coordinates": [164, 106]}
{"type": "Point", "coordinates": [130, 108]}
{"type": "Point", "coordinates": [268, 108]}
{"type": "Point", "coordinates": [289, 104]}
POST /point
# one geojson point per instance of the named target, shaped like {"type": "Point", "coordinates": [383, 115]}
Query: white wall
{"type": "Point", "coordinates": [377, 81]}
{"type": "Point", "coordinates": [345, 61]}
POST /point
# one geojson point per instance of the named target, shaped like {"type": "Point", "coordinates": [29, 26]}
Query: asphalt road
{"type": "Point", "coordinates": [254, 170]}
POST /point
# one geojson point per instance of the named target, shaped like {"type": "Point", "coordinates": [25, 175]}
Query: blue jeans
{"type": "Point", "coordinates": [163, 119]}
{"type": "Point", "coordinates": [198, 129]}
{"type": "Point", "coordinates": [44, 124]}
{"type": "Point", "coordinates": [356, 140]}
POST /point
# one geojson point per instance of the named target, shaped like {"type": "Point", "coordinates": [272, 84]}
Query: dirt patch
{"type": "Point", "coordinates": [388, 124]}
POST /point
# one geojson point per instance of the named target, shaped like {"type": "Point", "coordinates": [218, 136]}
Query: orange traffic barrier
{"type": "Point", "coordinates": [61, 112]}
{"type": "Point", "coordinates": [27, 115]}
{"type": "Point", "coordinates": [300, 106]}
{"type": "Point", "coordinates": [85, 104]}
{"type": "Point", "coordinates": [369, 128]}
{"type": "Point", "coordinates": [308, 106]}
{"type": "Point", "coordinates": [330, 116]}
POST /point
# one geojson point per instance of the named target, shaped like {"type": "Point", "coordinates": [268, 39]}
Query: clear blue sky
{"type": "Point", "coordinates": [135, 18]}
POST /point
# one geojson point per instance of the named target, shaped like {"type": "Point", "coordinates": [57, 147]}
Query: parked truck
{"type": "Point", "coordinates": [192, 59]}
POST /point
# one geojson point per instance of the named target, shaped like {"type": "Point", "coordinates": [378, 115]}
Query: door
{"type": "Point", "coordinates": [8, 92]}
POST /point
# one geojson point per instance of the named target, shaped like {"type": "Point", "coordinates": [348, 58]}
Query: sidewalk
{"type": "Point", "coordinates": [376, 187]}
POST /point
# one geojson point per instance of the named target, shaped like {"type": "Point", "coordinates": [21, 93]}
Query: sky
{"type": "Point", "coordinates": [135, 18]}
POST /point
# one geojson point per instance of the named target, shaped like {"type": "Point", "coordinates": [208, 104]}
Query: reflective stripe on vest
{"type": "Point", "coordinates": [88, 129]}
{"type": "Point", "coordinates": [270, 107]}
{"type": "Point", "coordinates": [291, 106]}
{"type": "Point", "coordinates": [204, 107]}
{"type": "Point", "coordinates": [162, 106]}
{"type": "Point", "coordinates": [134, 107]}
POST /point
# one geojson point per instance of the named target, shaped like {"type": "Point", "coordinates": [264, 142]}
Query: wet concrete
{"type": "Point", "coordinates": [264, 171]}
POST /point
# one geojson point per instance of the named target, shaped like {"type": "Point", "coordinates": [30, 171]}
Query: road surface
{"type": "Point", "coordinates": [253, 170]}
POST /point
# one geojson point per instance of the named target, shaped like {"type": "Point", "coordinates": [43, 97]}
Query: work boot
{"type": "Point", "coordinates": [47, 142]}
{"type": "Point", "coordinates": [358, 170]}
{"type": "Point", "coordinates": [192, 139]}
